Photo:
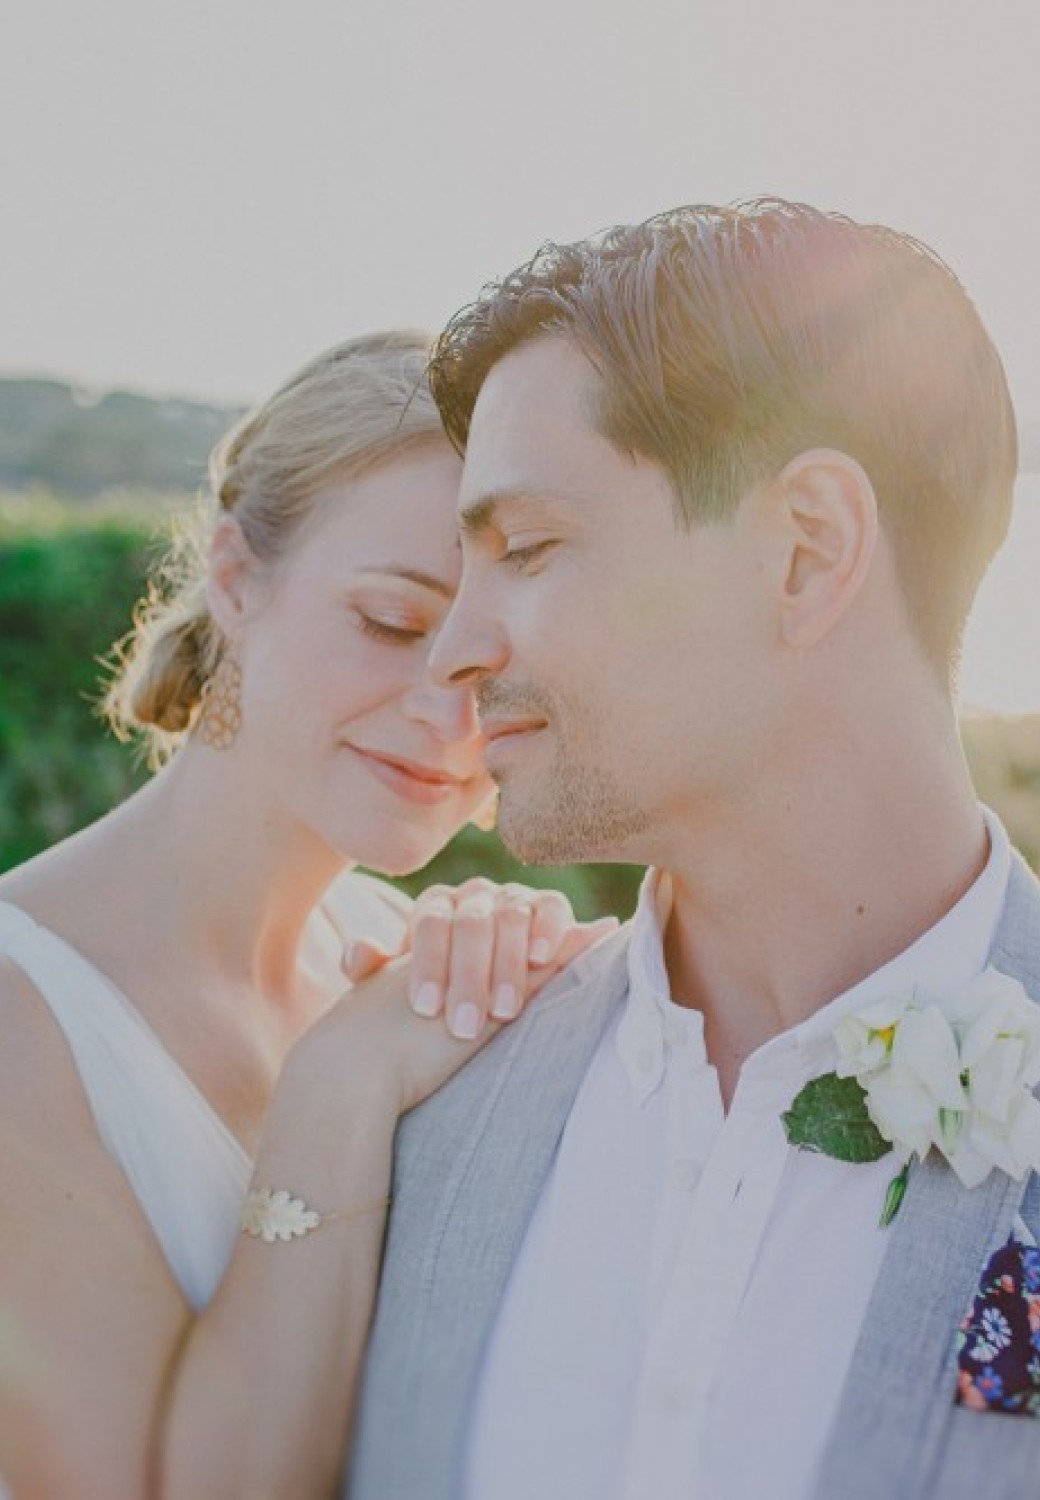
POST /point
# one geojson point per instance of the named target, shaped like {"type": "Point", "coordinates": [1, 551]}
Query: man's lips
{"type": "Point", "coordinates": [409, 778]}
{"type": "Point", "coordinates": [502, 734]}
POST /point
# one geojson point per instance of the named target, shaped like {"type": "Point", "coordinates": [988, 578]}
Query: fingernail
{"type": "Point", "coordinates": [348, 954]}
{"type": "Point", "coordinates": [505, 1004]}
{"type": "Point", "coordinates": [465, 1023]}
{"type": "Point", "coordinates": [539, 951]}
{"type": "Point", "coordinates": [427, 1000]}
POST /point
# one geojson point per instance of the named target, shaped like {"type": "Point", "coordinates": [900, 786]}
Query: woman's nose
{"type": "Point", "coordinates": [449, 712]}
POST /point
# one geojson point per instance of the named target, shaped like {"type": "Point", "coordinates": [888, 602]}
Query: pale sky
{"type": "Point", "coordinates": [198, 195]}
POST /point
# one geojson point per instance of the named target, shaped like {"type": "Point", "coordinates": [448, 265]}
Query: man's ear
{"type": "Point", "coordinates": [826, 532]}
{"type": "Point", "coordinates": [232, 577]}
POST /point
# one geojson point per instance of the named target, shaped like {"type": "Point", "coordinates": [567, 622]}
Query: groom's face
{"type": "Point", "coordinates": [616, 654]}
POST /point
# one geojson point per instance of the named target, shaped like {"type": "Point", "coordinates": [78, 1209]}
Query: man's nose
{"type": "Point", "coordinates": [468, 646]}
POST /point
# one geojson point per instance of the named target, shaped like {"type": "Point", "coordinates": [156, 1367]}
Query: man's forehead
{"type": "Point", "coordinates": [544, 377]}
{"type": "Point", "coordinates": [534, 429]}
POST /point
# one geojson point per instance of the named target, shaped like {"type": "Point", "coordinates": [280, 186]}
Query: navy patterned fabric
{"type": "Point", "coordinates": [998, 1345]}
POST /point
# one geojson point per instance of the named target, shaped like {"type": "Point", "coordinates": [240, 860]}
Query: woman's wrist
{"type": "Point", "coordinates": [328, 1142]}
{"type": "Point", "coordinates": [337, 1081]}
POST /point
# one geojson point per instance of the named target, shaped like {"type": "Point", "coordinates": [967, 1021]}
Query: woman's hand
{"type": "Point", "coordinates": [481, 950]}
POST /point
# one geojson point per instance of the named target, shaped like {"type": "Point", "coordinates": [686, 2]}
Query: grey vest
{"type": "Point", "coordinates": [470, 1165]}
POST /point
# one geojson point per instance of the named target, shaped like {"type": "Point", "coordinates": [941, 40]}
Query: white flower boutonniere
{"type": "Point", "coordinates": [914, 1073]}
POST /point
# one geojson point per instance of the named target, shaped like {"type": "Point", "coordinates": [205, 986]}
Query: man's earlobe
{"type": "Point", "coordinates": [230, 576]}
{"type": "Point", "coordinates": [829, 529]}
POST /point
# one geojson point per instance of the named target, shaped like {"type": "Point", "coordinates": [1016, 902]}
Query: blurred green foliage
{"type": "Point", "coordinates": [68, 581]}
{"type": "Point", "coordinates": [69, 577]}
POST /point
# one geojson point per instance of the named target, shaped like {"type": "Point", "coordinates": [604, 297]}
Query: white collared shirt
{"type": "Point", "coordinates": [682, 1313]}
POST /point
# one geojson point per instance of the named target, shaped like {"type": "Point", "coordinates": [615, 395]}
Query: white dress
{"type": "Point", "coordinates": [187, 1170]}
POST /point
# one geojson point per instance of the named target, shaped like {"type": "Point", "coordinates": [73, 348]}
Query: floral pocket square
{"type": "Point", "coordinates": [998, 1345]}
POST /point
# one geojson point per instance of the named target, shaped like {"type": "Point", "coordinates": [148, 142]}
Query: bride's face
{"type": "Point", "coordinates": [340, 718]}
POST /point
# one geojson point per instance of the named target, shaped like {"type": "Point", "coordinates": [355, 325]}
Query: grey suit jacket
{"type": "Point", "coordinates": [469, 1168]}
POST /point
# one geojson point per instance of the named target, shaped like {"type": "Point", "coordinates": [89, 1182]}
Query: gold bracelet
{"type": "Point", "coordinates": [271, 1214]}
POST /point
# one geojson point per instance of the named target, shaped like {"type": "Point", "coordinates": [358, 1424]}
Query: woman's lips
{"type": "Point", "coordinates": [425, 785]}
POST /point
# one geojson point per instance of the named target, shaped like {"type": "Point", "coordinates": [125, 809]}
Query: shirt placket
{"type": "Point", "coordinates": [712, 1255]}
{"type": "Point", "coordinates": [693, 1119]}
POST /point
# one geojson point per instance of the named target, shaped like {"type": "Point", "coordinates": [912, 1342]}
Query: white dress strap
{"type": "Point", "coordinates": [187, 1170]}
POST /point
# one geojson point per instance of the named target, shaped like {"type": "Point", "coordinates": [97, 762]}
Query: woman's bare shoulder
{"type": "Point", "coordinates": [53, 1165]}
{"type": "Point", "coordinates": [87, 1298]}
{"type": "Point", "coordinates": [32, 1048]}
{"type": "Point", "coordinates": [48, 1136]}
{"type": "Point", "coordinates": [41, 1097]}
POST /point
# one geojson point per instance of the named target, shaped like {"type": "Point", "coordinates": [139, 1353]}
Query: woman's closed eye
{"type": "Point", "coordinates": [384, 630]}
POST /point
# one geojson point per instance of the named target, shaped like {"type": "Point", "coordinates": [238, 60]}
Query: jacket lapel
{"type": "Point", "coordinates": [898, 1397]}
{"type": "Point", "coordinates": [470, 1165]}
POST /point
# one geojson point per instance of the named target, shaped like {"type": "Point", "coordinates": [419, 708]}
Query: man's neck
{"type": "Point", "coordinates": [796, 904]}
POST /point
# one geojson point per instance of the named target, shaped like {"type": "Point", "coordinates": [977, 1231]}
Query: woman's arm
{"type": "Point", "coordinates": [109, 1388]}
{"type": "Point", "coordinates": [259, 1396]}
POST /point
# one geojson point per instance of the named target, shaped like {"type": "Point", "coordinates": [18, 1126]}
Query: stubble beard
{"type": "Point", "coordinates": [575, 811]}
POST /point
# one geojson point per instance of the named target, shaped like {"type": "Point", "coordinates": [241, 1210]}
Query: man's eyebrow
{"type": "Point", "coordinates": [415, 575]}
{"type": "Point", "coordinates": [483, 513]}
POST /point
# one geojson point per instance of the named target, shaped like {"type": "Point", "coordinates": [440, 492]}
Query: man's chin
{"type": "Point", "coordinates": [527, 831]}
{"type": "Point", "coordinates": [576, 815]}
{"type": "Point", "coordinates": [537, 835]}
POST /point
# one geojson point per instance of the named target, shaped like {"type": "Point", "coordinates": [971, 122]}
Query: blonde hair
{"type": "Point", "coordinates": [344, 412]}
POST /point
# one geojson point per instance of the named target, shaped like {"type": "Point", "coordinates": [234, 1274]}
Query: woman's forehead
{"type": "Point", "coordinates": [400, 518]}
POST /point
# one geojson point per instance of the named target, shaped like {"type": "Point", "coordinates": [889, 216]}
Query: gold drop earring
{"type": "Point", "coordinates": [220, 712]}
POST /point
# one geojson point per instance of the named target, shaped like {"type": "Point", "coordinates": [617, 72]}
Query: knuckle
{"type": "Point", "coordinates": [552, 897]}
{"type": "Point", "coordinates": [514, 898]}
{"type": "Point", "coordinates": [553, 905]}
{"type": "Point", "coordinates": [513, 919]}
{"type": "Point", "coordinates": [473, 924]}
{"type": "Point", "coordinates": [514, 890]}
{"type": "Point", "coordinates": [435, 895]}
{"type": "Point", "coordinates": [474, 909]}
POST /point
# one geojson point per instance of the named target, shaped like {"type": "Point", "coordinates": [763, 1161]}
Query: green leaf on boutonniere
{"type": "Point", "coordinates": [830, 1115]}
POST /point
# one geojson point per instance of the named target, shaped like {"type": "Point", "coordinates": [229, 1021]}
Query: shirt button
{"type": "Point", "coordinates": [686, 1173]}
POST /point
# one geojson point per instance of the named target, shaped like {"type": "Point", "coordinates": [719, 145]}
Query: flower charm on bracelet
{"type": "Point", "coordinates": [271, 1214]}
{"type": "Point", "coordinates": [954, 1073]}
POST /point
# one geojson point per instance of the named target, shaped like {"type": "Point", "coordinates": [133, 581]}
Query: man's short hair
{"type": "Point", "coordinates": [728, 340]}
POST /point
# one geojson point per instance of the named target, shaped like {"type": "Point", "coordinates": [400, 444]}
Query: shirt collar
{"type": "Point", "coordinates": [653, 1029]}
